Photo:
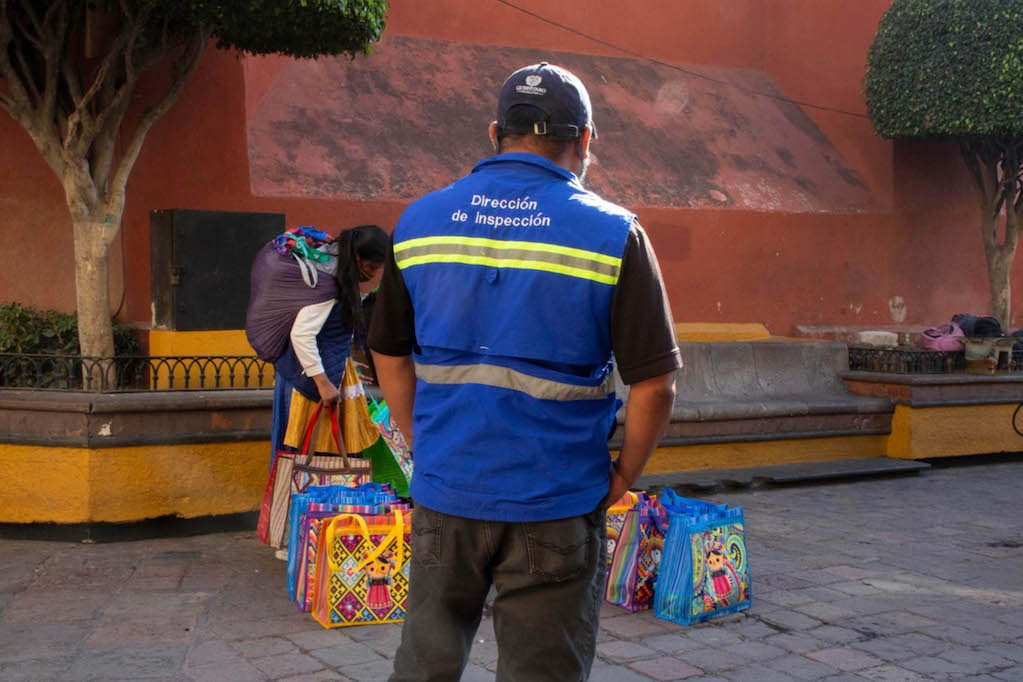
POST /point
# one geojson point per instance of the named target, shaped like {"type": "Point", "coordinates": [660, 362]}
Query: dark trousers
{"type": "Point", "coordinates": [549, 578]}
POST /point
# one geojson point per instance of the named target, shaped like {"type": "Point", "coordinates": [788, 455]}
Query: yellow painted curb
{"type": "Point", "coordinates": [79, 485]}
{"type": "Point", "coordinates": [711, 331]}
{"type": "Point", "coordinates": [919, 432]}
{"type": "Point", "coordinates": [762, 453]}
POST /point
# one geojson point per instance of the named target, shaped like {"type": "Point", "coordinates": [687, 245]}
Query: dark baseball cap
{"type": "Point", "coordinates": [553, 90]}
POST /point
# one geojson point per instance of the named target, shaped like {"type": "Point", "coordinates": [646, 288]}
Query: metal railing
{"type": "Point", "coordinates": [919, 361]}
{"type": "Point", "coordinates": [133, 373]}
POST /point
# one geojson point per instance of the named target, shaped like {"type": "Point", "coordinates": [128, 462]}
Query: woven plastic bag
{"type": "Point", "coordinates": [616, 520]}
{"type": "Point", "coordinates": [295, 473]}
{"type": "Point", "coordinates": [381, 414]}
{"type": "Point", "coordinates": [357, 429]}
{"type": "Point", "coordinates": [362, 571]}
{"type": "Point", "coordinates": [632, 569]}
{"type": "Point", "coordinates": [389, 466]}
{"type": "Point", "coordinates": [312, 523]}
{"type": "Point", "coordinates": [369, 498]}
{"type": "Point", "coordinates": [704, 571]}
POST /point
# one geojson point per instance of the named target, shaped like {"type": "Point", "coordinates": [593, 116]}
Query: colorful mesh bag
{"type": "Point", "coordinates": [308, 544]}
{"type": "Point", "coordinates": [369, 498]}
{"type": "Point", "coordinates": [362, 571]}
{"type": "Point", "coordinates": [295, 473]}
{"type": "Point", "coordinates": [616, 519]}
{"type": "Point", "coordinates": [704, 571]}
{"type": "Point", "coordinates": [632, 569]}
{"type": "Point", "coordinates": [400, 451]}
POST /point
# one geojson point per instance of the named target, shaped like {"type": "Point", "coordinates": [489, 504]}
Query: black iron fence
{"type": "Point", "coordinates": [919, 361]}
{"type": "Point", "coordinates": [134, 373]}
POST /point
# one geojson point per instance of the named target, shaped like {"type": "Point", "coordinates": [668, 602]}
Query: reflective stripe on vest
{"type": "Point", "coordinates": [503, 377]}
{"type": "Point", "coordinates": [498, 253]}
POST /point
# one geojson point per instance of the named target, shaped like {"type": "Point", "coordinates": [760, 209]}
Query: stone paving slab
{"type": "Point", "coordinates": [883, 579]}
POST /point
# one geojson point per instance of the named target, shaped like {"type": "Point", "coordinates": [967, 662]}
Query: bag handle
{"type": "Point", "coordinates": [660, 521]}
{"type": "Point", "coordinates": [395, 535]}
{"type": "Point", "coordinates": [629, 499]}
{"type": "Point", "coordinates": [308, 271]}
{"type": "Point", "coordinates": [334, 429]}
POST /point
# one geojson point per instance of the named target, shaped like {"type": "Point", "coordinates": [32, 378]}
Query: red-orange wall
{"type": "Point", "coordinates": [922, 244]}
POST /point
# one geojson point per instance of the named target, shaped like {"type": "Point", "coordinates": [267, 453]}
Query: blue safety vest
{"type": "Point", "coordinates": [511, 272]}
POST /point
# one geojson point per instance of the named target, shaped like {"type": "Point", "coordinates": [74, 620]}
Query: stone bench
{"type": "Point", "coordinates": [765, 390]}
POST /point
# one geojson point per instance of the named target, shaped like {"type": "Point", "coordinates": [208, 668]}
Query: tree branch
{"type": "Point", "coordinates": [26, 73]}
{"type": "Point", "coordinates": [23, 30]}
{"type": "Point", "coordinates": [19, 97]}
{"type": "Point", "coordinates": [32, 16]}
{"type": "Point", "coordinates": [105, 145]}
{"type": "Point", "coordinates": [18, 103]}
{"type": "Point", "coordinates": [181, 71]}
{"type": "Point", "coordinates": [1014, 207]}
{"type": "Point", "coordinates": [73, 80]}
{"type": "Point", "coordinates": [82, 117]}
{"type": "Point", "coordinates": [1009, 192]}
{"type": "Point", "coordinates": [969, 155]}
{"type": "Point", "coordinates": [999, 202]}
{"type": "Point", "coordinates": [121, 99]}
{"type": "Point", "coordinates": [53, 56]}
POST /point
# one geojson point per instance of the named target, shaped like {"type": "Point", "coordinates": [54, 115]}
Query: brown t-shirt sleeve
{"type": "Point", "coordinates": [642, 329]}
{"type": "Point", "coordinates": [392, 330]}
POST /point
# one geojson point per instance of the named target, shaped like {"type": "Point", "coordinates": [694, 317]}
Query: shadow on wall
{"type": "Point", "coordinates": [412, 118]}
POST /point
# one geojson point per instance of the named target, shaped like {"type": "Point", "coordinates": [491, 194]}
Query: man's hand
{"type": "Point", "coordinates": [619, 486]}
{"type": "Point", "coordinates": [329, 395]}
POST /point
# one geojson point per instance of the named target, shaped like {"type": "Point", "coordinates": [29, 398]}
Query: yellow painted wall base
{"type": "Point", "coordinates": [763, 453]}
{"type": "Point", "coordinates": [220, 342]}
{"type": "Point", "coordinates": [79, 485]}
{"type": "Point", "coordinates": [247, 374]}
{"type": "Point", "coordinates": [716, 331]}
{"type": "Point", "coordinates": [919, 432]}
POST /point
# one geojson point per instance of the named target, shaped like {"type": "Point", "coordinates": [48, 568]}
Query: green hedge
{"type": "Point", "coordinates": [24, 329]}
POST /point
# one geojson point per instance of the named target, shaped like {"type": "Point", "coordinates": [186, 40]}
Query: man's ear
{"type": "Point", "coordinates": [493, 134]}
{"type": "Point", "coordinates": [584, 142]}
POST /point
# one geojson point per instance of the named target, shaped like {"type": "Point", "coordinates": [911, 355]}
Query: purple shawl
{"type": "Point", "coordinates": [277, 292]}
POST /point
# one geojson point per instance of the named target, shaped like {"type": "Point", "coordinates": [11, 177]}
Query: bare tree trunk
{"type": "Point", "coordinates": [999, 267]}
{"type": "Point", "coordinates": [91, 287]}
{"type": "Point", "coordinates": [95, 333]}
{"type": "Point", "coordinates": [995, 169]}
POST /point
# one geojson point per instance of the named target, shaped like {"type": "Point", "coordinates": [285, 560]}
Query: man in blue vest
{"type": "Point", "coordinates": [506, 296]}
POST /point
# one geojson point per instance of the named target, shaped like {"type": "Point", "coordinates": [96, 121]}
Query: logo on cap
{"type": "Point", "coordinates": [533, 80]}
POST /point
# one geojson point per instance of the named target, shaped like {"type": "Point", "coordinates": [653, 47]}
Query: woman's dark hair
{"type": "Point", "coordinates": [369, 243]}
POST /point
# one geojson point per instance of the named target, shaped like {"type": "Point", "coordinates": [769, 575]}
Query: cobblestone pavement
{"type": "Point", "coordinates": [916, 578]}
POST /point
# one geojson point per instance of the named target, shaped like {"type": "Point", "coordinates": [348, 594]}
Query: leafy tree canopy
{"type": "Point", "coordinates": [295, 28]}
{"type": "Point", "coordinates": [948, 68]}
